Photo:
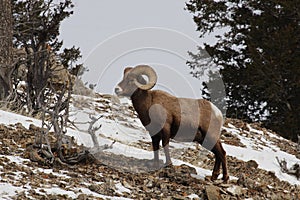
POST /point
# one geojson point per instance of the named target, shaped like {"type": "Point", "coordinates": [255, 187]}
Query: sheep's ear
{"type": "Point", "coordinates": [126, 70]}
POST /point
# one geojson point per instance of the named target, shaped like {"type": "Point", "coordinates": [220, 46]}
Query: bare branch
{"type": "Point", "coordinates": [294, 170]}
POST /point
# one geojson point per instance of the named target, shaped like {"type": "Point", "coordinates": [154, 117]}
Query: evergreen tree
{"type": "Point", "coordinates": [260, 57]}
{"type": "Point", "coordinates": [36, 29]}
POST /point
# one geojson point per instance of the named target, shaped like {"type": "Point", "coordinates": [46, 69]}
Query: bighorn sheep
{"type": "Point", "coordinates": [166, 116]}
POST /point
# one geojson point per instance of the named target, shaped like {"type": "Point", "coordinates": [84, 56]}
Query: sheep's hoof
{"type": "Point", "coordinates": [155, 165]}
{"type": "Point", "coordinates": [168, 164]}
{"type": "Point", "coordinates": [225, 178]}
{"type": "Point", "coordinates": [214, 177]}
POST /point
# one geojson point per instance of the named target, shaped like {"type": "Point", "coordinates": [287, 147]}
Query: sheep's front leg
{"type": "Point", "coordinates": [155, 146]}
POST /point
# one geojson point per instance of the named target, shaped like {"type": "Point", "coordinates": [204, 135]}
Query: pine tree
{"type": "Point", "coordinates": [36, 29]}
{"type": "Point", "coordinates": [260, 58]}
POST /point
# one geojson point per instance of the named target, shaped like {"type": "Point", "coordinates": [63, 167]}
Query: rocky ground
{"type": "Point", "coordinates": [95, 179]}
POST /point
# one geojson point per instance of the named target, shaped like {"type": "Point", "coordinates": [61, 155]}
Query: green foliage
{"type": "Point", "coordinates": [36, 30]}
{"type": "Point", "coordinates": [37, 22]}
{"type": "Point", "coordinates": [69, 57]}
{"type": "Point", "coordinates": [260, 58]}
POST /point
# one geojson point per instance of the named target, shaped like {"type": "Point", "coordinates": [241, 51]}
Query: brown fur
{"type": "Point", "coordinates": [181, 119]}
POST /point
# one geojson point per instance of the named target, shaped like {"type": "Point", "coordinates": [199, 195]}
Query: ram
{"type": "Point", "coordinates": [168, 117]}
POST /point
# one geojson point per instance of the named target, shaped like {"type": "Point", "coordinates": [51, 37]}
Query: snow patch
{"type": "Point", "coordinates": [121, 189]}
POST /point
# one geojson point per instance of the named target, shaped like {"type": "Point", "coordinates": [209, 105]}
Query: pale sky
{"type": "Point", "coordinates": [115, 34]}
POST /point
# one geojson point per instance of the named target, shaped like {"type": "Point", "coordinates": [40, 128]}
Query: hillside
{"type": "Point", "coordinates": [122, 169]}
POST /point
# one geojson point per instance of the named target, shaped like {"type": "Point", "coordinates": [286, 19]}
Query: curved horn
{"type": "Point", "coordinates": [149, 72]}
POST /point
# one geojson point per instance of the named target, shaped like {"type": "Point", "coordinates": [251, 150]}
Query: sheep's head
{"type": "Point", "coordinates": [134, 78]}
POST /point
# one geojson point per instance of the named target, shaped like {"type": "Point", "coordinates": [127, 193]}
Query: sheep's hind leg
{"type": "Point", "coordinates": [224, 164]}
{"type": "Point", "coordinates": [199, 140]}
{"type": "Point", "coordinates": [216, 170]}
{"type": "Point", "coordinates": [220, 156]}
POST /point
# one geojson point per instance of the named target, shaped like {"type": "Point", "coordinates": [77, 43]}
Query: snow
{"type": "Point", "coordinates": [126, 131]}
{"type": "Point", "coordinates": [50, 171]}
{"type": "Point", "coordinates": [265, 156]}
{"type": "Point", "coordinates": [56, 190]}
{"type": "Point", "coordinates": [12, 118]}
{"type": "Point", "coordinates": [254, 130]}
{"type": "Point", "coordinates": [16, 159]}
{"type": "Point", "coordinates": [121, 189]}
{"type": "Point", "coordinates": [193, 196]}
{"type": "Point", "coordinates": [89, 192]}
{"type": "Point", "coordinates": [7, 190]}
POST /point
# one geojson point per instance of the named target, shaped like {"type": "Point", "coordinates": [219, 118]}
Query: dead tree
{"type": "Point", "coordinates": [294, 170]}
{"type": "Point", "coordinates": [92, 131]}
{"type": "Point", "coordinates": [54, 116]}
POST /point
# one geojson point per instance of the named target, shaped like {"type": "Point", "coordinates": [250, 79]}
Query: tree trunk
{"type": "Point", "coordinates": [6, 44]}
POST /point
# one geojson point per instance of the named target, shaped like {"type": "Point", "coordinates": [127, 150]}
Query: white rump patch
{"type": "Point", "coordinates": [216, 110]}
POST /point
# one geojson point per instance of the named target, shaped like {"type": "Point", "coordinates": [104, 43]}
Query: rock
{"type": "Point", "coordinates": [251, 164]}
{"type": "Point", "coordinates": [33, 127]}
{"type": "Point", "coordinates": [126, 184]}
{"type": "Point", "coordinates": [272, 174]}
{"type": "Point", "coordinates": [177, 197]}
{"type": "Point", "coordinates": [241, 179]}
{"type": "Point", "coordinates": [34, 155]}
{"type": "Point", "coordinates": [187, 169]}
{"type": "Point", "coordinates": [225, 185]}
{"type": "Point", "coordinates": [235, 190]}
{"type": "Point", "coordinates": [149, 184]}
{"type": "Point", "coordinates": [82, 197]}
{"type": "Point", "coordinates": [212, 192]}
{"type": "Point", "coordinates": [246, 182]}
{"type": "Point", "coordinates": [103, 189]}
{"type": "Point", "coordinates": [19, 126]}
